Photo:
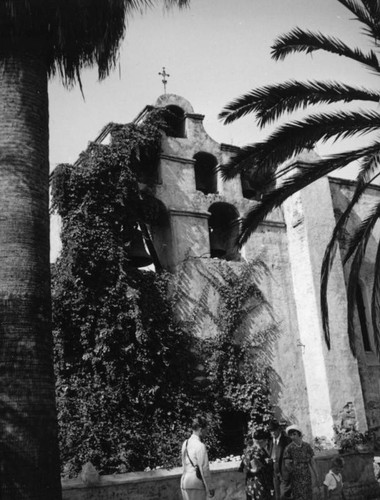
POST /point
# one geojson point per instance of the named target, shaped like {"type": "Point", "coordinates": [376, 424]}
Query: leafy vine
{"type": "Point", "coordinates": [131, 367]}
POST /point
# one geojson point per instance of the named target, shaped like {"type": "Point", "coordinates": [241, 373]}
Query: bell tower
{"type": "Point", "coordinates": [200, 208]}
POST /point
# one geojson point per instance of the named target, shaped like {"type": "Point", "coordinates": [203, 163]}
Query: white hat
{"type": "Point", "coordinates": [291, 428]}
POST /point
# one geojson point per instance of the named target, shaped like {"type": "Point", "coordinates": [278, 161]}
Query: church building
{"type": "Point", "coordinates": [317, 386]}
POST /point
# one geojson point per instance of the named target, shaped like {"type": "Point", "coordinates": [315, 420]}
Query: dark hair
{"type": "Point", "coordinates": [274, 425]}
{"type": "Point", "coordinates": [260, 434]}
{"type": "Point", "coordinates": [198, 422]}
{"type": "Point", "coordinates": [337, 462]}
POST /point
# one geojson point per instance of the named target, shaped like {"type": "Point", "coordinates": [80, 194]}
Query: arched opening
{"type": "Point", "coordinates": [248, 187]}
{"type": "Point", "coordinates": [175, 120]}
{"type": "Point", "coordinates": [205, 173]}
{"type": "Point", "coordinates": [147, 237]}
{"type": "Point", "coordinates": [223, 231]}
{"type": "Point", "coordinates": [138, 252]}
{"type": "Point", "coordinates": [253, 190]}
{"type": "Point", "coordinates": [234, 427]}
{"type": "Point", "coordinates": [364, 318]}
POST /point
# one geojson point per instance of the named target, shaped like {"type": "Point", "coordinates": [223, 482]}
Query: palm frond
{"type": "Point", "coordinates": [263, 158]}
{"type": "Point", "coordinates": [71, 34]}
{"type": "Point", "coordinates": [272, 101]}
{"type": "Point", "coordinates": [169, 4]}
{"type": "Point", "coordinates": [363, 181]}
{"type": "Point", "coordinates": [313, 171]}
{"type": "Point", "coordinates": [361, 232]}
{"type": "Point", "coordinates": [368, 166]}
{"type": "Point", "coordinates": [351, 297]}
{"type": "Point", "coordinates": [368, 15]}
{"type": "Point", "coordinates": [299, 40]}
{"type": "Point", "coordinates": [360, 240]}
{"type": "Point", "coordinates": [375, 304]}
{"type": "Point", "coordinates": [373, 9]}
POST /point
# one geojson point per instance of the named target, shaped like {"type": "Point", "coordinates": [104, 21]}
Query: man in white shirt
{"type": "Point", "coordinates": [194, 455]}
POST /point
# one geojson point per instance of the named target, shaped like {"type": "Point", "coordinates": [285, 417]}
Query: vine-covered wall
{"type": "Point", "coordinates": [131, 371]}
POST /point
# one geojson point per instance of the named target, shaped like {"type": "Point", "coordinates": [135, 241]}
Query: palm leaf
{"type": "Point", "coordinates": [363, 181]}
{"type": "Point", "coordinates": [375, 304]}
{"type": "Point", "coordinates": [290, 139]}
{"type": "Point", "coordinates": [360, 240]}
{"type": "Point", "coordinates": [71, 34]}
{"type": "Point", "coordinates": [373, 7]}
{"type": "Point", "coordinates": [313, 171]}
{"type": "Point", "coordinates": [351, 297]}
{"type": "Point", "coordinates": [272, 101]}
{"type": "Point", "coordinates": [368, 15]}
{"type": "Point", "coordinates": [299, 40]}
{"type": "Point", "coordinates": [360, 233]}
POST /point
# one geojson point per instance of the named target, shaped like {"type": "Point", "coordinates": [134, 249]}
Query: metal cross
{"type": "Point", "coordinates": [164, 76]}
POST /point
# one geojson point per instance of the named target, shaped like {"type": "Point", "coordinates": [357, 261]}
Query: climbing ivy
{"type": "Point", "coordinates": [131, 369]}
{"type": "Point", "coordinates": [237, 344]}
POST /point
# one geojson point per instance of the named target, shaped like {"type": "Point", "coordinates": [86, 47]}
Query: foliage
{"type": "Point", "coordinates": [237, 353]}
{"type": "Point", "coordinates": [263, 160]}
{"type": "Point", "coordinates": [123, 365]}
{"type": "Point", "coordinates": [127, 370]}
{"type": "Point", "coordinates": [124, 373]}
{"type": "Point", "coordinates": [70, 42]}
{"type": "Point", "coordinates": [348, 440]}
{"type": "Point", "coordinates": [322, 444]}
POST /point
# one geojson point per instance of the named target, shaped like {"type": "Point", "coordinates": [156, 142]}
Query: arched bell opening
{"type": "Point", "coordinates": [148, 243]}
{"type": "Point", "coordinates": [147, 171]}
{"type": "Point", "coordinates": [205, 173]}
{"type": "Point", "coordinates": [248, 187]}
{"type": "Point", "coordinates": [162, 239]}
{"type": "Point", "coordinates": [223, 231]}
{"type": "Point", "coordinates": [175, 120]}
{"type": "Point", "coordinates": [138, 253]}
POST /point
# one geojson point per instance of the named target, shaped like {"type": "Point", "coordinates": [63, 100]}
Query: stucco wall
{"type": "Point", "coordinates": [269, 243]}
{"type": "Point", "coordinates": [312, 383]}
{"type": "Point", "coordinates": [358, 477]}
{"type": "Point", "coordinates": [332, 375]}
{"type": "Point", "coordinates": [369, 365]}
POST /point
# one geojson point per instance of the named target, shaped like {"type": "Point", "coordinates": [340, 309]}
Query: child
{"type": "Point", "coordinates": [333, 484]}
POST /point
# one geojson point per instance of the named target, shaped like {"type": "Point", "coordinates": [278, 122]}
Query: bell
{"type": "Point", "coordinates": [137, 252]}
{"type": "Point", "coordinates": [217, 244]}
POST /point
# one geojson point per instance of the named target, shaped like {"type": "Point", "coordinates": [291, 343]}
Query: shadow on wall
{"type": "Point", "coordinates": [220, 299]}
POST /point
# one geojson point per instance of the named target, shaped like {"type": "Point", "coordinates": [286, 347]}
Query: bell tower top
{"type": "Point", "coordinates": [174, 100]}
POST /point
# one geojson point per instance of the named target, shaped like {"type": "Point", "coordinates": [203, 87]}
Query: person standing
{"type": "Point", "coordinates": [246, 460]}
{"type": "Point", "coordinates": [299, 461]}
{"type": "Point", "coordinates": [281, 480]}
{"type": "Point", "coordinates": [258, 466]}
{"type": "Point", "coordinates": [333, 483]}
{"type": "Point", "coordinates": [195, 463]}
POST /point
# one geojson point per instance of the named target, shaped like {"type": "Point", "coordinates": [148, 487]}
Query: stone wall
{"type": "Point", "coordinates": [369, 365]}
{"type": "Point", "coordinates": [358, 476]}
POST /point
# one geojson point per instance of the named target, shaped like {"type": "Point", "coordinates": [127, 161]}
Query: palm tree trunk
{"type": "Point", "coordinates": [29, 460]}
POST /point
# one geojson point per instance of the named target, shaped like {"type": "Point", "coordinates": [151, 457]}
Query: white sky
{"type": "Point", "coordinates": [214, 51]}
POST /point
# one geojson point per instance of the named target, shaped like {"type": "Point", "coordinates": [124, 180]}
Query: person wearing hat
{"type": "Point", "coordinates": [299, 461]}
{"type": "Point", "coordinates": [279, 441]}
{"type": "Point", "coordinates": [259, 468]}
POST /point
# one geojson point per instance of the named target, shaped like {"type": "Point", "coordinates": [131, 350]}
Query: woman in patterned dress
{"type": "Point", "coordinates": [259, 468]}
{"type": "Point", "coordinates": [299, 461]}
